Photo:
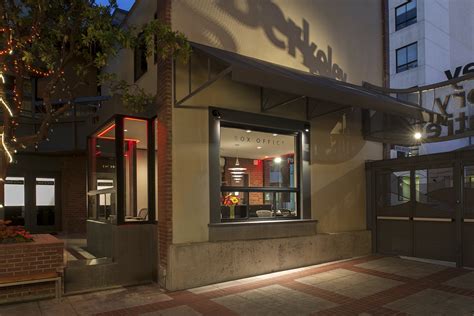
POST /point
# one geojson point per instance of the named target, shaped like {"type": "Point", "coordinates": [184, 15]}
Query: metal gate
{"type": "Point", "coordinates": [423, 206]}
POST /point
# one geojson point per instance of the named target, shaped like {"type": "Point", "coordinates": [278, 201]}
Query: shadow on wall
{"type": "Point", "coordinates": [268, 16]}
{"type": "Point", "coordinates": [282, 32]}
{"type": "Point", "coordinates": [341, 203]}
{"type": "Point", "coordinates": [336, 138]}
{"type": "Point", "coordinates": [212, 30]}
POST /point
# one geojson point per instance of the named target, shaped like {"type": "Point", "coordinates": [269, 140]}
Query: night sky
{"type": "Point", "coordinates": [123, 4]}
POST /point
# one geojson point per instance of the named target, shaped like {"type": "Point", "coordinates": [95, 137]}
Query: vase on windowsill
{"type": "Point", "coordinates": [232, 211]}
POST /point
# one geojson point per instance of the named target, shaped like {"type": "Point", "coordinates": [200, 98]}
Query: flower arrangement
{"type": "Point", "coordinates": [13, 234]}
{"type": "Point", "coordinates": [230, 200]}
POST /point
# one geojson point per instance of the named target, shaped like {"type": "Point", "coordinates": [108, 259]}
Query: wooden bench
{"type": "Point", "coordinates": [34, 278]}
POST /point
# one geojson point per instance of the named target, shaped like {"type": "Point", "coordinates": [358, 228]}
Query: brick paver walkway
{"type": "Point", "coordinates": [373, 285]}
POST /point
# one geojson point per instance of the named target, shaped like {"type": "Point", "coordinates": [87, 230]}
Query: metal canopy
{"type": "Point", "coordinates": [318, 91]}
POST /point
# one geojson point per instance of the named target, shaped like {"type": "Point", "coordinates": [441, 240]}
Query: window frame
{"type": "Point", "coordinates": [140, 49]}
{"type": "Point", "coordinates": [244, 120]}
{"type": "Point", "coordinates": [407, 22]}
{"type": "Point", "coordinates": [408, 65]}
{"type": "Point", "coordinates": [119, 189]}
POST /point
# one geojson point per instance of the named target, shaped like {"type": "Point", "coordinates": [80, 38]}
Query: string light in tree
{"type": "Point", "coordinates": [5, 148]}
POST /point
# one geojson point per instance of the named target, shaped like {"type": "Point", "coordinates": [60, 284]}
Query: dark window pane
{"type": "Point", "coordinates": [412, 53]}
{"type": "Point", "coordinates": [405, 15]}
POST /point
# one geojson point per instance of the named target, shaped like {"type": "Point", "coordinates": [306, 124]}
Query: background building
{"type": "Point", "coordinates": [430, 41]}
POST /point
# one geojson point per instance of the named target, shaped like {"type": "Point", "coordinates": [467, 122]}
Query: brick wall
{"type": "Point", "coordinates": [164, 140]}
{"type": "Point", "coordinates": [73, 194]}
{"type": "Point", "coordinates": [45, 254]}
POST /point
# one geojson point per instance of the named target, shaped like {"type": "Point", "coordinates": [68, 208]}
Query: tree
{"type": "Point", "coordinates": [44, 38]}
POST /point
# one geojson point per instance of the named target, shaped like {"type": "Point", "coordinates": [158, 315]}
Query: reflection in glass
{"type": "Point", "coordinates": [393, 188]}
{"type": "Point", "coordinates": [435, 187]}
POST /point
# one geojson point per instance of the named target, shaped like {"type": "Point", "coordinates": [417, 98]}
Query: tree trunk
{"type": "Point", "coordinates": [3, 176]}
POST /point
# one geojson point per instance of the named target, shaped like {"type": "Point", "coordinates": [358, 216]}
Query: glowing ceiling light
{"type": "Point", "coordinates": [417, 136]}
{"type": "Point", "coordinates": [248, 131]}
{"type": "Point", "coordinates": [277, 160]}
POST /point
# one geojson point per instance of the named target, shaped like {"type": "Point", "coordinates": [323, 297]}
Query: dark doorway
{"type": "Point", "coordinates": [424, 206]}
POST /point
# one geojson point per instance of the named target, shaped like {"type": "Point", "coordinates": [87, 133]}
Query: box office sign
{"type": "Point", "coordinates": [456, 102]}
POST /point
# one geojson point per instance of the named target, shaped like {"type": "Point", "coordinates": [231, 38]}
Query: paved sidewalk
{"type": "Point", "coordinates": [373, 285]}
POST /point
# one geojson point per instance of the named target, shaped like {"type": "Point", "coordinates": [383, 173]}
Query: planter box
{"type": "Point", "coordinates": [44, 254]}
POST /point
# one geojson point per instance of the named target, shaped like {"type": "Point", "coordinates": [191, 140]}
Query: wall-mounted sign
{"type": "Point", "coordinates": [258, 140]}
{"type": "Point", "coordinates": [468, 68]}
{"type": "Point", "coordinates": [456, 102]}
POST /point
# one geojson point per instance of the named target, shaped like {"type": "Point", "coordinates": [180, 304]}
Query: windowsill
{"type": "Point", "coordinates": [263, 229]}
{"type": "Point", "coordinates": [263, 222]}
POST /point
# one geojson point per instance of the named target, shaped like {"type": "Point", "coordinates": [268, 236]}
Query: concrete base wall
{"type": "Point", "coordinates": [194, 264]}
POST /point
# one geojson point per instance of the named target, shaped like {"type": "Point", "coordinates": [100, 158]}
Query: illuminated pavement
{"type": "Point", "coordinates": [372, 285]}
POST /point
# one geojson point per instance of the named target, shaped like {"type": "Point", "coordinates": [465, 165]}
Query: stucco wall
{"type": "Point", "coordinates": [257, 29]}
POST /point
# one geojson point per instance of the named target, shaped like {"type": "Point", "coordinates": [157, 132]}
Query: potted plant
{"type": "Point", "coordinates": [13, 234]}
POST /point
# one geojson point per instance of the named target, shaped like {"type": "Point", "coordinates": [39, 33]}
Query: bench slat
{"type": "Point", "coordinates": [28, 277]}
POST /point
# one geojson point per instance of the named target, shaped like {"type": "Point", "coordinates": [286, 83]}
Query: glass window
{"type": "Point", "coordinates": [15, 200]}
{"type": "Point", "coordinates": [407, 57]}
{"type": "Point", "coordinates": [393, 188]}
{"type": "Point", "coordinates": [140, 65]}
{"type": "Point", "coordinates": [258, 174]}
{"type": "Point", "coordinates": [45, 201]}
{"type": "Point", "coordinates": [136, 169]}
{"type": "Point", "coordinates": [132, 178]}
{"type": "Point", "coordinates": [405, 15]}
{"type": "Point", "coordinates": [469, 190]}
{"type": "Point", "coordinates": [435, 188]}
{"type": "Point", "coordinates": [102, 174]}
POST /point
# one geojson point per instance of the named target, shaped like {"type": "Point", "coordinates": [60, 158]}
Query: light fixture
{"type": "Point", "coordinates": [236, 176]}
{"type": "Point", "coordinates": [248, 131]}
{"type": "Point", "coordinates": [125, 130]}
{"type": "Point", "coordinates": [236, 169]}
{"type": "Point", "coordinates": [277, 160]}
{"type": "Point", "coordinates": [275, 134]}
{"type": "Point", "coordinates": [306, 130]}
{"type": "Point", "coordinates": [237, 172]}
{"type": "Point", "coordinates": [259, 147]}
{"type": "Point", "coordinates": [417, 135]}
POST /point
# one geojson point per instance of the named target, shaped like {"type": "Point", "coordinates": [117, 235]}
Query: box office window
{"type": "Point", "coordinates": [405, 15]}
{"type": "Point", "coordinates": [259, 174]}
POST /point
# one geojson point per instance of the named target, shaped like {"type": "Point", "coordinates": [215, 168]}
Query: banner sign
{"type": "Point", "coordinates": [456, 102]}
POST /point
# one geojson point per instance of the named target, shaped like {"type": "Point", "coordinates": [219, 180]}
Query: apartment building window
{"type": "Point", "coordinates": [405, 15]}
{"type": "Point", "coordinates": [140, 64]}
{"type": "Point", "coordinates": [407, 57]}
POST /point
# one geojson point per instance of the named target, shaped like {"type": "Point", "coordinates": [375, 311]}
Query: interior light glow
{"type": "Point", "coordinates": [237, 172]}
{"type": "Point", "coordinates": [277, 160]}
{"type": "Point", "coordinates": [275, 134]}
{"type": "Point", "coordinates": [237, 169]}
{"type": "Point", "coordinates": [248, 131]}
{"type": "Point", "coordinates": [417, 135]}
{"type": "Point", "coordinates": [259, 147]}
